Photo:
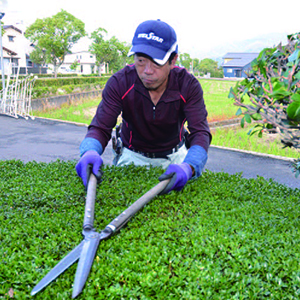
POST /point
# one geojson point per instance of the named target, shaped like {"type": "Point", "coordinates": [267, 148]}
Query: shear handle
{"type": "Point", "coordinates": [126, 215]}
{"type": "Point", "coordinates": [88, 222]}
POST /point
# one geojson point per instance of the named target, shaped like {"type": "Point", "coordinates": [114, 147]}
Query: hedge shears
{"type": "Point", "coordinates": [85, 252]}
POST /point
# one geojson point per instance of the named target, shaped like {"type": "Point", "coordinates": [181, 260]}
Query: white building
{"type": "Point", "coordinates": [86, 63]}
{"type": "Point", "coordinates": [15, 47]}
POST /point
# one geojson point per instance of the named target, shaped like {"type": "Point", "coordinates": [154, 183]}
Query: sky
{"type": "Point", "coordinates": [202, 26]}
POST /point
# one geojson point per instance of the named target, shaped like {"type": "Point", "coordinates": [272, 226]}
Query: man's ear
{"type": "Point", "coordinates": [173, 62]}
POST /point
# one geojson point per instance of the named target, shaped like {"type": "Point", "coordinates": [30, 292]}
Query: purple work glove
{"type": "Point", "coordinates": [179, 174]}
{"type": "Point", "coordinates": [89, 158]}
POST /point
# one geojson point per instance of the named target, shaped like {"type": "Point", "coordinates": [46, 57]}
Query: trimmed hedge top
{"type": "Point", "coordinates": [222, 237]}
{"type": "Point", "coordinates": [51, 82]}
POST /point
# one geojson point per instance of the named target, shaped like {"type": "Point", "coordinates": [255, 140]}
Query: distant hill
{"type": "Point", "coordinates": [256, 44]}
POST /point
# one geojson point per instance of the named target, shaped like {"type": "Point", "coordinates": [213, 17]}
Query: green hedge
{"type": "Point", "coordinates": [52, 82]}
{"type": "Point", "coordinates": [42, 92]}
{"type": "Point", "coordinates": [65, 75]}
{"type": "Point", "coordinates": [61, 86]}
{"type": "Point", "coordinates": [58, 75]}
{"type": "Point", "coordinates": [44, 87]}
{"type": "Point", "coordinates": [222, 237]}
{"type": "Point", "coordinates": [70, 75]}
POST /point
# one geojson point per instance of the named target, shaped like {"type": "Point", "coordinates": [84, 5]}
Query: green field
{"type": "Point", "coordinates": [218, 105]}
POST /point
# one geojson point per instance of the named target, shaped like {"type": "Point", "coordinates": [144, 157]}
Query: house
{"type": "Point", "coordinates": [80, 55]}
{"type": "Point", "coordinates": [237, 64]}
{"type": "Point", "coordinates": [13, 48]}
{"type": "Point", "coordinates": [85, 60]}
{"type": "Point", "coordinates": [16, 49]}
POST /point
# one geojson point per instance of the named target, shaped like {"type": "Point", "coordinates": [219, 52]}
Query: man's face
{"type": "Point", "coordinates": [152, 75]}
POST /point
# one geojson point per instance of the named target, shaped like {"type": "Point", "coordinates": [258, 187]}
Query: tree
{"type": "Point", "coordinates": [56, 35]}
{"type": "Point", "coordinates": [270, 95]}
{"type": "Point", "coordinates": [122, 49]}
{"type": "Point", "coordinates": [74, 66]}
{"type": "Point", "coordinates": [110, 51]}
{"type": "Point", "coordinates": [208, 65]}
{"type": "Point", "coordinates": [119, 51]}
{"type": "Point", "coordinates": [196, 66]}
{"type": "Point", "coordinates": [100, 47]}
{"type": "Point", "coordinates": [185, 60]}
{"type": "Point", "coordinates": [39, 57]}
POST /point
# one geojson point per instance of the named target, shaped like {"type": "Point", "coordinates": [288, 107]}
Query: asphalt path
{"type": "Point", "coordinates": [44, 140]}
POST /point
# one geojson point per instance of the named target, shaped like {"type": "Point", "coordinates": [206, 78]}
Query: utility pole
{"type": "Point", "coordinates": [1, 50]}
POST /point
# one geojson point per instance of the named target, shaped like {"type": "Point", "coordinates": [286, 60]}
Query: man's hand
{"type": "Point", "coordinates": [90, 157]}
{"type": "Point", "coordinates": [179, 174]}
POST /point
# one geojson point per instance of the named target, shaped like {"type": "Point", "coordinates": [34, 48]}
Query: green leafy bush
{"type": "Point", "coordinates": [222, 237]}
{"type": "Point", "coordinates": [271, 94]}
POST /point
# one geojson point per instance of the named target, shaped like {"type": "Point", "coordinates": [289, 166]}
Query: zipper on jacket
{"type": "Point", "coordinates": [153, 112]}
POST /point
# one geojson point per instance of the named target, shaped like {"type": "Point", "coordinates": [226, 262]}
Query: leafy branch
{"type": "Point", "coordinates": [270, 95]}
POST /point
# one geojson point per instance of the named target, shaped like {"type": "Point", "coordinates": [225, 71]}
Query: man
{"type": "Point", "coordinates": [155, 98]}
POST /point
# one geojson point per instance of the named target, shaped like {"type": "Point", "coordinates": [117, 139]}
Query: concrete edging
{"type": "Point", "coordinates": [62, 121]}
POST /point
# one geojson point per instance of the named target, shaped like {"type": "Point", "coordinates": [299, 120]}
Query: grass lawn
{"type": "Point", "coordinates": [237, 137]}
{"type": "Point", "coordinates": [222, 237]}
{"type": "Point", "coordinates": [218, 105]}
{"type": "Point", "coordinates": [215, 94]}
{"type": "Point", "coordinates": [80, 112]}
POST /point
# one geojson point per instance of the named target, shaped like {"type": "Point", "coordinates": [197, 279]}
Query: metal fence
{"type": "Point", "coordinates": [29, 70]}
{"type": "Point", "coordinates": [15, 99]}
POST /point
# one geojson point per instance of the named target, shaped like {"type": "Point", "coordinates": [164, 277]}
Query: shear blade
{"type": "Point", "coordinates": [64, 264]}
{"type": "Point", "coordinates": [90, 246]}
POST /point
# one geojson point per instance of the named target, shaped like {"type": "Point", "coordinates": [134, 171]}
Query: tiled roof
{"type": "Point", "coordinates": [239, 59]}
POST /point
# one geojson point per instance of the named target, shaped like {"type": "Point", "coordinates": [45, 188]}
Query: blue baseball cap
{"type": "Point", "coordinates": [156, 39]}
